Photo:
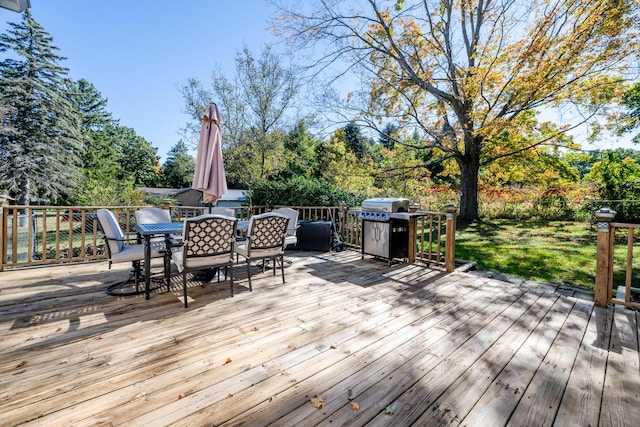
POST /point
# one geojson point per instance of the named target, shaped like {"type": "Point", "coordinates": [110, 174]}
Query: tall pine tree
{"type": "Point", "coordinates": [179, 167]}
{"type": "Point", "coordinates": [355, 141]}
{"type": "Point", "coordinates": [115, 158]}
{"type": "Point", "coordinates": [40, 154]}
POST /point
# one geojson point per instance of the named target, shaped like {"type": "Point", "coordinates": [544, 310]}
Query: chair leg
{"type": "Point", "coordinates": [184, 288]}
{"type": "Point", "coordinates": [136, 274]}
{"type": "Point", "coordinates": [281, 266]}
{"type": "Point", "coordinates": [167, 269]}
{"type": "Point", "coordinates": [230, 277]}
{"type": "Point", "coordinates": [249, 275]}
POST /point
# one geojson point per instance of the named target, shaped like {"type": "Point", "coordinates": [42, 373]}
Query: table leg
{"type": "Point", "coordinates": [147, 265]}
{"type": "Point", "coordinates": [167, 261]}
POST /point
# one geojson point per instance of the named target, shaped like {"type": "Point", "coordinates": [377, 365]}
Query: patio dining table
{"type": "Point", "coordinates": [166, 229]}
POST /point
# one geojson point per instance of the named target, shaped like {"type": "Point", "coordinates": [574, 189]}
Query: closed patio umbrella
{"type": "Point", "coordinates": [209, 174]}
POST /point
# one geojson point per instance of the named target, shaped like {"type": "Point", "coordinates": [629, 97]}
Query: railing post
{"type": "Point", "coordinates": [604, 256]}
{"type": "Point", "coordinates": [4, 200]}
{"type": "Point", "coordinates": [450, 240]}
{"type": "Point", "coordinates": [342, 215]}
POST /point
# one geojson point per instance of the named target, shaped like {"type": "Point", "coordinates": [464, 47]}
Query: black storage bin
{"type": "Point", "coordinates": [313, 236]}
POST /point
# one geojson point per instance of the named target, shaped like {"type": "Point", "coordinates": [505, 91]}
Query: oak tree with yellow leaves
{"type": "Point", "coordinates": [465, 72]}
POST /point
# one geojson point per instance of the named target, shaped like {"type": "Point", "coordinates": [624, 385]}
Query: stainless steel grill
{"type": "Point", "coordinates": [381, 208]}
{"type": "Point", "coordinates": [383, 235]}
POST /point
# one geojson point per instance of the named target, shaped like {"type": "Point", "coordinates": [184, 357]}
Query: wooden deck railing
{"type": "Point", "coordinates": [433, 235]}
{"type": "Point", "coordinates": [42, 235]}
{"type": "Point", "coordinates": [436, 238]}
{"type": "Point", "coordinates": [37, 235]}
{"type": "Point", "coordinates": [605, 266]}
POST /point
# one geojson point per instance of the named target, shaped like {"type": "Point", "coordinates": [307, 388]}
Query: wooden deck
{"type": "Point", "coordinates": [371, 344]}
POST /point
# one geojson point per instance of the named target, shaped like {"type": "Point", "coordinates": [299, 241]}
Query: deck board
{"type": "Point", "coordinates": [462, 394]}
{"type": "Point", "coordinates": [506, 391]}
{"type": "Point", "coordinates": [372, 359]}
{"type": "Point", "coordinates": [550, 380]}
{"type": "Point", "coordinates": [580, 404]}
{"type": "Point", "coordinates": [444, 338]}
{"type": "Point", "coordinates": [408, 344]}
{"type": "Point", "coordinates": [622, 382]}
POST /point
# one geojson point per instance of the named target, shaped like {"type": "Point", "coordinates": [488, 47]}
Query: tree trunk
{"type": "Point", "coordinates": [24, 197]}
{"type": "Point", "coordinates": [469, 168]}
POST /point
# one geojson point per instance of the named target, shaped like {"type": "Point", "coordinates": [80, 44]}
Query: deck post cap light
{"type": "Point", "coordinates": [605, 214]}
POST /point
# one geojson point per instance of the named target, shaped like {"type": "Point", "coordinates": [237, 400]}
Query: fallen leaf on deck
{"type": "Point", "coordinates": [355, 406]}
{"type": "Point", "coordinates": [333, 346]}
{"type": "Point", "coordinates": [100, 337]}
{"type": "Point", "coordinates": [255, 328]}
{"type": "Point", "coordinates": [228, 361]}
{"type": "Point", "coordinates": [59, 330]}
{"type": "Point", "coordinates": [31, 338]}
{"type": "Point", "coordinates": [63, 361]}
{"type": "Point", "coordinates": [21, 364]}
{"type": "Point", "coordinates": [50, 305]}
{"type": "Point", "coordinates": [180, 396]}
{"type": "Point", "coordinates": [318, 401]}
{"type": "Point", "coordinates": [388, 410]}
{"type": "Point", "coordinates": [230, 395]}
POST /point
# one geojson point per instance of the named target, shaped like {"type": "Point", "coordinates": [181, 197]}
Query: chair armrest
{"type": "Point", "coordinates": [135, 236]}
{"type": "Point", "coordinates": [129, 239]}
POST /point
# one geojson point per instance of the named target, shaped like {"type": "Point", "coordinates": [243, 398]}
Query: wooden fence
{"type": "Point", "coordinates": [45, 235]}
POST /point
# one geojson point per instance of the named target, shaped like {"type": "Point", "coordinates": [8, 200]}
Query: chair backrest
{"type": "Point", "coordinates": [222, 211]}
{"type": "Point", "coordinates": [209, 235]}
{"type": "Point", "coordinates": [111, 229]}
{"type": "Point", "coordinates": [268, 230]}
{"type": "Point", "coordinates": [293, 219]}
{"type": "Point", "coordinates": [152, 215]}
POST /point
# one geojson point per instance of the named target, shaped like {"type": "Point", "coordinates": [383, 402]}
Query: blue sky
{"type": "Point", "coordinates": [136, 53]}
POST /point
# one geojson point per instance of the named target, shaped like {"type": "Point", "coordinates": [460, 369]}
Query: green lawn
{"type": "Point", "coordinates": [560, 252]}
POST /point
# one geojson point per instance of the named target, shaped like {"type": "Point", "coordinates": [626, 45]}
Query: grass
{"type": "Point", "coordinates": [560, 252]}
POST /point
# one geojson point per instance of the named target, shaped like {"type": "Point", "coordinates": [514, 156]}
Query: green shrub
{"type": "Point", "coordinates": [302, 191]}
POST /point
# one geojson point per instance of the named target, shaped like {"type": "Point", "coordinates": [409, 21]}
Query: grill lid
{"type": "Point", "coordinates": [386, 204]}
